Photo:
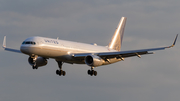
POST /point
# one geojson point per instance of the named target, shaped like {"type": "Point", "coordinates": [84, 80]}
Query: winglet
{"type": "Point", "coordinates": [174, 42]}
{"type": "Point", "coordinates": [4, 42]}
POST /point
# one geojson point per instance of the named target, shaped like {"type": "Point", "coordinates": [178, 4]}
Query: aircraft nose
{"type": "Point", "coordinates": [25, 49]}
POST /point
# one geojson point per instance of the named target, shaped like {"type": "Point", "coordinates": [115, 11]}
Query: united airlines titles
{"type": "Point", "coordinates": [51, 41]}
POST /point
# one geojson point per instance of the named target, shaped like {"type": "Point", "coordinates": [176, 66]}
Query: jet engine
{"type": "Point", "coordinates": [93, 60]}
{"type": "Point", "coordinates": [38, 62]}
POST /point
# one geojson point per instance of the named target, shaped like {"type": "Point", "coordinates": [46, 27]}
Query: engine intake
{"type": "Point", "coordinates": [40, 61]}
{"type": "Point", "coordinates": [93, 60]}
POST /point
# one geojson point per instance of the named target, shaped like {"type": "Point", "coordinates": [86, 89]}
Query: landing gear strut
{"type": "Point", "coordinates": [60, 71]}
{"type": "Point", "coordinates": [32, 60]}
{"type": "Point", "coordinates": [92, 72]}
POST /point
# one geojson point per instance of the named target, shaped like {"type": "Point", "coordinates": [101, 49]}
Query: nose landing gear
{"type": "Point", "coordinates": [34, 67]}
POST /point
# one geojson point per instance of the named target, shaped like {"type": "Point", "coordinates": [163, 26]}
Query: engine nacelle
{"type": "Point", "coordinates": [93, 60]}
{"type": "Point", "coordinates": [40, 61]}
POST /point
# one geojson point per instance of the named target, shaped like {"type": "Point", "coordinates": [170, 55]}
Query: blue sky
{"type": "Point", "coordinates": [150, 23]}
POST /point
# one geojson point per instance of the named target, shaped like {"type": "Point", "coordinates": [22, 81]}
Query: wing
{"type": "Point", "coordinates": [124, 54]}
{"type": "Point", "coordinates": [9, 49]}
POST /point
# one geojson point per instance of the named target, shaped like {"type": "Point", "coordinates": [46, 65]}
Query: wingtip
{"type": "Point", "coordinates": [174, 41]}
{"type": "Point", "coordinates": [4, 42]}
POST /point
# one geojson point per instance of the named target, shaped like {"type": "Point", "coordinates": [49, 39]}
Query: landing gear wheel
{"type": "Point", "coordinates": [63, 73]}
{"type": "Point", "coordinates": [57, 72]}
{"type": "Point", "coordinates": [95, 73]}
{"type": "Point", "coordinates": [92, 72]}
{"type": "Point", "coordinates": [89, 72]}
{"type": "Point", "coordinates": [60, 72]}
{"type": "Point", "coordinates": [34, 67]}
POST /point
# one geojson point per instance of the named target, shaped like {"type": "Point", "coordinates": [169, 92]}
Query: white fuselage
{"type": "Point", "coordinates": [61, 50]}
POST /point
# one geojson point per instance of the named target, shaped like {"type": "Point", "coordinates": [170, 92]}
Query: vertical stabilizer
{"type": "Point", "coordinates": [116, 40]}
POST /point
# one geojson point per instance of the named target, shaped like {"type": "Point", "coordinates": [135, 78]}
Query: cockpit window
{"type": "Point", "coordinates": [29, 42]}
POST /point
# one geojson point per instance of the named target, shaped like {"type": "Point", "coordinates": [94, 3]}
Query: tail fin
{"type": "Point", "coordinates": [116, 40]}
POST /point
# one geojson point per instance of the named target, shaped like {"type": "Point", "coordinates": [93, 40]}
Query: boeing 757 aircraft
{"type": "Point", "coordinates": [39, 49]}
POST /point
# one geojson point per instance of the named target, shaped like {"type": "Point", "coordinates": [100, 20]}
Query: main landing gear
{"type": "Point", "coordinates": [60, 71]}
{"type": "Point", "coordinates": [92, 72]}
{"type": "Point", "coordinates": [63, 73]}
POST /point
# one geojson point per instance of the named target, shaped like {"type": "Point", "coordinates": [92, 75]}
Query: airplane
{"type": "Point", "coordinates": [39, 49]}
